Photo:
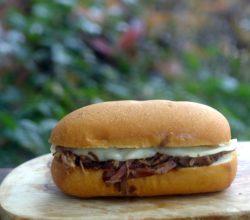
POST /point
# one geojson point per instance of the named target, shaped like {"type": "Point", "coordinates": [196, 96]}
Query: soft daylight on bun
{"type": "Point", "coordinates": [89, 183]}
{"type": "Point", "coordinates": [137, 124]}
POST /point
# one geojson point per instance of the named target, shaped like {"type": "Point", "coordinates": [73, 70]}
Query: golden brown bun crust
{"type": "Point", "coordinates": [181, 181]}
{"type": "Point", "coordinates": [135, 124]}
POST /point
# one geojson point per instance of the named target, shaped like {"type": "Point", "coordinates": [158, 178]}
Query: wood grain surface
{"type": "Point", "coordinates": [29, 193]}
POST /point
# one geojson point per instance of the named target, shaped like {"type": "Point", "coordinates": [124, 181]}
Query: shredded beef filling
{"type": "Point", "coordinates": [118, 172]}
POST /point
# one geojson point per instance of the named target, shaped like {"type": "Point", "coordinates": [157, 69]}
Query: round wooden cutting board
{"type": "Point", "coordinates": [29, 193]}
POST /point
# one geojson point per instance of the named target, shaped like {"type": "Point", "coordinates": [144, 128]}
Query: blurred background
{"type": "Point", "coordinates": [56, 56]}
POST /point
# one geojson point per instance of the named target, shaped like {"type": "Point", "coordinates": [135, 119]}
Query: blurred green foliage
{"type": "Point", "coordinates": [56, 56]}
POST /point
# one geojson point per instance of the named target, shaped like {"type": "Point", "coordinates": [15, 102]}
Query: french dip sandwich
{"type": "Point", "coordinates": [143, 148]}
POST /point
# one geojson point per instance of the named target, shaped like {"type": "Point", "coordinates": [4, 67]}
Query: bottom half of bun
{"type": "Point", "coordinates": [89, 183]}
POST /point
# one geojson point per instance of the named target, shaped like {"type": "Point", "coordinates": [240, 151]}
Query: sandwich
{"type": "Point", "coordinates": [143, 148]}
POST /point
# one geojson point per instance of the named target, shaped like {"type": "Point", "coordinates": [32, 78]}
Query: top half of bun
{"type": "Point", "coordinates": [137, 124]}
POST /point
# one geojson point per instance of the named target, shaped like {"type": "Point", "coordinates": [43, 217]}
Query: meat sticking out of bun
{"type": "Point", "coordinates": [143, 148]}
